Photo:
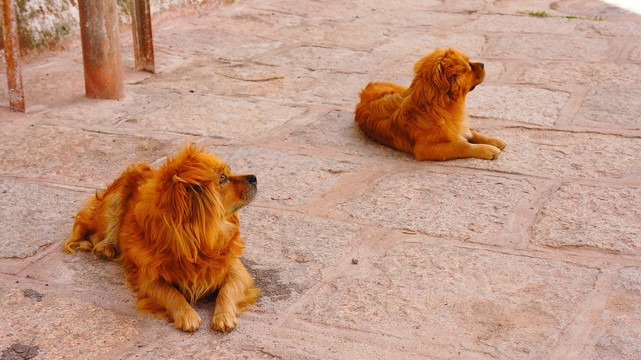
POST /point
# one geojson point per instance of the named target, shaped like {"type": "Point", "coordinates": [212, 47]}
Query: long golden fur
{"type": "Point", "coordinates": [428, 119]}
{"type": "Point", "coordinates": [176, 231]}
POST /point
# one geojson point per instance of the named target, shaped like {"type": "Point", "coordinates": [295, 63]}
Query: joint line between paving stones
{"type": "Point", "coordinates": [585, 330]}
{"type": "Point", "coordinates": [625, 133]}
{"type": "Point", "coordinates": [45, 182]}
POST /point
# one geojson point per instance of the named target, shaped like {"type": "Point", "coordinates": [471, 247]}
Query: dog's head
{"type": "Point", "coordinates": [449, 72]}
{"type": "Point", "coordinates": [193, 201]}
{"type": "Point", "coordinates": [198, 182]}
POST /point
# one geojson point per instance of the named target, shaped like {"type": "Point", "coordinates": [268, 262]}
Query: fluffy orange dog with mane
{"type": "Point", "coordinates": [176, 231]}
{"type": "Point", "coordinates": [428, 119]}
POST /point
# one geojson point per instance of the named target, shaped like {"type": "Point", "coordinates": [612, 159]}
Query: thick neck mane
{"type": "Point", "coordinates": [198, 239]}
{"type": "Point", "coordinates": [425, 95]}
{"type": "Point", "coordinates": [195, 262]}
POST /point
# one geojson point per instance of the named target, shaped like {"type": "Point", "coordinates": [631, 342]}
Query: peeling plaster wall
{"type": "Point", "coordinates": [42, 23]}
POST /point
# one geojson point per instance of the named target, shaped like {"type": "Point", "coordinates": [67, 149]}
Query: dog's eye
{"type": "Point", "coordinates": [223, 179]}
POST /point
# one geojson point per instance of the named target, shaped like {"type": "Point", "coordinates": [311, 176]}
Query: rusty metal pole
{"type": "Point", "coordinates": [12, 55]}
{"type": "Point", "coordinates": [143, 42]}
{"type": "Point", "coordinates": [101, 49]}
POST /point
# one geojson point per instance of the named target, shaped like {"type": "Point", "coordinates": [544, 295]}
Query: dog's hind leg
{"type": "Point", "coordinates": [106, 244]}
{"type": "Point", "coordinates": [81, 232]}
{"type": "Point", "coordinates": [96, 227]}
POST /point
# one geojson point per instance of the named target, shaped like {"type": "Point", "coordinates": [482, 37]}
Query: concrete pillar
{"type": "Point", "coordinates": [101, 49]}
{"type": "Point", "coordinates": [141, 27]}
{"type": "Point", "coordinates": [12, 55]}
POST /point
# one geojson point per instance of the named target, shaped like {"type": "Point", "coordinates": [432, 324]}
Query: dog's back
{"type": "Point", "coordinates": [376, 90]}
{"type": "Point", "coordinates": [97, 225]}
{"type": "Point", "coordinates": [374, 113]}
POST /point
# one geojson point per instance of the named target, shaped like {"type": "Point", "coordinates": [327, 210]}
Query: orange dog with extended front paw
{"type": "Point", "coordinates": [176, 232]}
{"type": "Point", "coordinates": [428, 119]}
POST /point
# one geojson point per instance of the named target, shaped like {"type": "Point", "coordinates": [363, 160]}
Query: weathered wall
{"type": "Point", "coordinates": [43, 23]}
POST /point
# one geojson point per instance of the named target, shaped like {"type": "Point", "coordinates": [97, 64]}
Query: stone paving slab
{"type": "Point", "coordinates": [573, 218]}
{"type": "Point", "coordinates": [225, 44]}
{"type": "Point", "coordinates": [200, 114]}
{"type": "Point", "coordinates": [623, 314]}
{"type": "Point", "coordinates": [108, 113]}
{"type": "Point", "coordinates": [32, 218]}
{"type": "Point", "coordinates": [287, 252]}
{"type": "Point", "coordinates": [361, 251]}
{"type": "Point", "coordinates": [551, 154]}
{"type": "Point", "coordinates": [560, 74]}
{"type": "Point", "coordinates": [447, 205]}
{"type": "Point", "coordinates": [60, 327]}
{"type": "Point", "coordinates": [550, 47]}
{"type": "Point", "coordinates": [450, 296]}
{"type": "Point", "coordinates": [415, 43]}
{"type": "Point", "coordinates": [635, 51]}
{"type": "Point", "coordinates": [98, 280]}
{"type": "Point", "coordinates": [280, 85]}
{"type": "Point", "coordinates": [336, 130]}
{"type": "Point", "coordinates": [212, 76]}
{"type": "Point", "coordinates": [83, 158]}
{"type": "Point", "coordinates": [522, 23]}
{"type": "Point", "coordinates": [325, 58]}
{"type": "Point", "coordinates": [524, 104]}
{"type": "Point", "coordinates": [280, 183]}
{"type": "Point", "coordinates": [619, 108]}
{"type": "Point", "coordinates": [329, 33]}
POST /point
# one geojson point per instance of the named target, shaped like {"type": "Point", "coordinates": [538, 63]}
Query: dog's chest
{"type": "Point", "coordinates": [200, 279]}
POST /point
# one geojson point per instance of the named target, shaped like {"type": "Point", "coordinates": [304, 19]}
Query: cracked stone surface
{"type": "Point", "coordinates": [452, 205]}
{"type": "Point", "coordinates": [573, 218]}
{"type": "Point", "coordinates": [550, 154]}
{"type": "Point", "coordinates": [32, 218]}
{"type": "Point", "coordinates": [523, 104]}
{"type": "Point", "coordinates": [612, 105]}
{"type": "Point", "coordinates": [623, 313]}
{"type": "Point", "coordinates": [501, 304]}
{"type": "Point", "coordinates": [311, 176]}
{"type": "Point", "coordinates": [60, 320]}
{"type": "Point", "coordinates": [82, 158]}
{"type": "Point", "coordinates": [361, 251]}
{"type": "Point", "coordinates": [287, 252]}
{"type": "Point", "coordinates": [578, 73]}
{"type": "Point", "coordinates": [550, 46]}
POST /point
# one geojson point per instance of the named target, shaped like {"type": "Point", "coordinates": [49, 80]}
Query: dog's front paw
{"type": "Point", "coordinates": [487, 152]}
{"type": "Point", "coordinates": [224, 322]}
{"type": "Point", "coordinates": [187, 321]}
{"type": "Point", "coordinates": [499, 143]}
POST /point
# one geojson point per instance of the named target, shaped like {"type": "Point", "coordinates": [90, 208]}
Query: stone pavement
{"type": "Point", "coordinates": [361, 251]}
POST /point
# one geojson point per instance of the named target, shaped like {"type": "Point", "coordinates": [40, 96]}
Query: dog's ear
{"type": "Point", "coordinates": [440, 75]}
{"type": "Point", "coordinates": [436, 69]}
{"type": "Point", "coordinates": [187, 168]}
{"type": "Point", "coordinates": [176, 181]}
{"type": "Point", "coordinates": [450, 71]}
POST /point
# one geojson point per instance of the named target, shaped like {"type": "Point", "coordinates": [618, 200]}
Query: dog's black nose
{"type": "Point", "coordinates": [251, 179]}
{"type": "Point", "coordinates": [482, 66]}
